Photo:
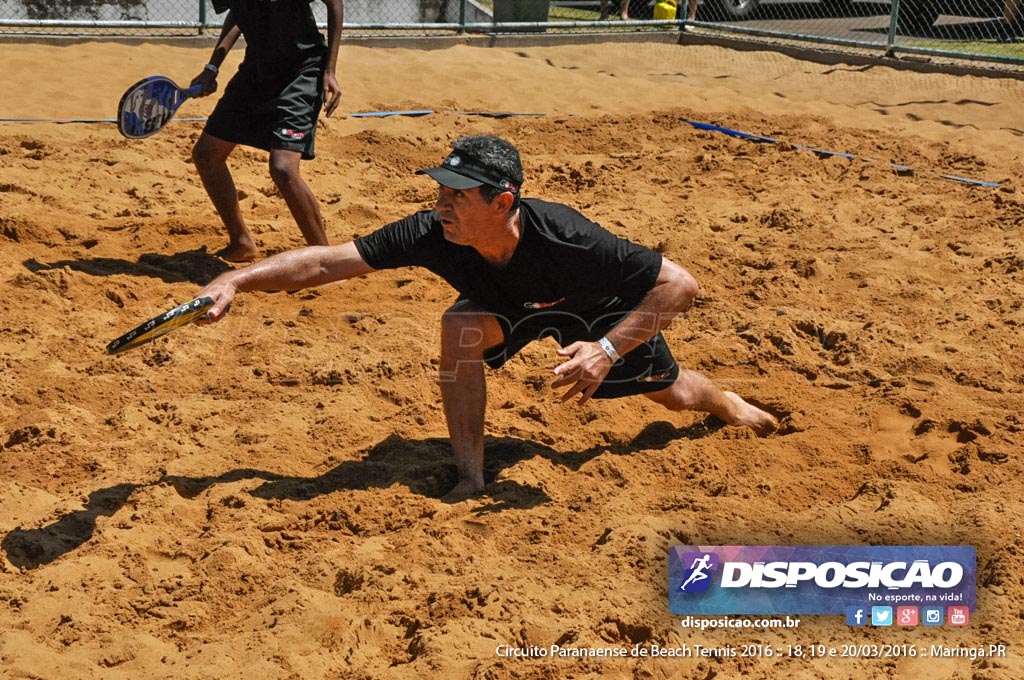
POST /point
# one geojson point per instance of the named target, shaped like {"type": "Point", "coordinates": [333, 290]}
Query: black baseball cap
{"type": "Point", "coordinates": [462, 171]}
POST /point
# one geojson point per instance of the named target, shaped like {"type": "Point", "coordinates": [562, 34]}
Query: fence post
{"type": "Point", "coordinates": [202, 16]}
{"type": "Point", "coordinates": [462, 17]}
{"type": "Point", "coordinates": [890, 40]}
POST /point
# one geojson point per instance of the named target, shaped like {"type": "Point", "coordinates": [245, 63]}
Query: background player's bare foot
{"type": "Point", "coordinates": [238, 252]}
{"type": "Point", "coordinates": [461, 492]}
{"type": "Point", "coordinates": [761, 422]}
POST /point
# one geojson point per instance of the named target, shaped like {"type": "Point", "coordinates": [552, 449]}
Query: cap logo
{"type": "Point", "coordinates": [454, 161]}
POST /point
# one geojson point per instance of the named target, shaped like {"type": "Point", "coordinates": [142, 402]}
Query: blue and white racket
{"type": "Point", "coordinates": [149, 105]}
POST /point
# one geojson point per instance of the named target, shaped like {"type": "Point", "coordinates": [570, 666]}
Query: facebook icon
{"type": "Point", "coordinates": [856, 616]}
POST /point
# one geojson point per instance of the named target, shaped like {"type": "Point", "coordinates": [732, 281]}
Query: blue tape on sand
{"type": "Point", "coordinates": [425, 112]}
{"type": "Point", "coordinates": [387, 114]}
{"type": "Point", "coordinates": [823, 153]}
{"type": "Point", "coordinates": [968, 180]}
{"type": "Point", "coordinates": [731, 132]}
{"type": "Point", "coordinates": [497, 114]}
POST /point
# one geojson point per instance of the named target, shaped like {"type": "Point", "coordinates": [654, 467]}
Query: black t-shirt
{"type": "Point", "coordinates": [281, 36]}
{"type": "Point", "coordinates": [564, 264]}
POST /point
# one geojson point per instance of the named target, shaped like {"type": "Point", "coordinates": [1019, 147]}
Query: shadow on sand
{"type": "Point", "coordinates": [425, 466]}
{"type": "Point", "coordinates": [192, 266]}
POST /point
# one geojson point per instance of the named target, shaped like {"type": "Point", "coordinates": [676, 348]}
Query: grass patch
{"type": "Point", "coordinates": [990, 48]}
{"type": "Point", "coordinates": [572, 14]}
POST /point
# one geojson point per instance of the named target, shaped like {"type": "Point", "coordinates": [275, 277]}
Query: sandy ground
{"type": "Point", "coordinates": [260, 498]}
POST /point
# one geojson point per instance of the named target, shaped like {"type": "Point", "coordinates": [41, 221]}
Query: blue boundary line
{"type": "Point", "coordinates": [424, 112]}
{"type": "Point", "coordinates": [708, 127]}
{"type": "Point", "coordinates": [388, 114]}
{"type": "Point", "coordinates": [825, 152]}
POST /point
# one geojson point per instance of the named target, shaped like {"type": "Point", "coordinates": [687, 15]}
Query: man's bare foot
{"type": "Point", "coordinates": [461, 492]}
{"type": "Point", "coordinates": [761, 422]}
{"type": "Point", "coordinates": [236, 252]}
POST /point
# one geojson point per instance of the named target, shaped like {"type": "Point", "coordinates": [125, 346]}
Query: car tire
{"type": "Point", "coordinates": [734, 10]}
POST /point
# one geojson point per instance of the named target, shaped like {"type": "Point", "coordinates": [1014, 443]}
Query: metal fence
{"type": "Point", "coordinates": [988, 30]}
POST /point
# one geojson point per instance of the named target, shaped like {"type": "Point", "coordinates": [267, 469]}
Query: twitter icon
{"type": "Point", "coordinates": [881, 616]}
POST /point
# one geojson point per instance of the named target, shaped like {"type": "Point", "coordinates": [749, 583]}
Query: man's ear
{"type": "Point", "coordinates": [504, 200]}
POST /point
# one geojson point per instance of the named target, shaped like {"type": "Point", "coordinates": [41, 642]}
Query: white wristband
{"type": "Point", "coordinates": [609, 349]}
{"type": "Point", "coordinates": [212, 69]}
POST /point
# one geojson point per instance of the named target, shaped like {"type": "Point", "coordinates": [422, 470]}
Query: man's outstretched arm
{"type": "Point", "coordinates": [291, 270]}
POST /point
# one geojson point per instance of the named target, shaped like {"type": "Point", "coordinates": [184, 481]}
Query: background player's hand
{"type": "Point", "coordinates": [585, 370]}
{"type": "Point", "coordinates": [208, 79]}
{"type": "Point", "coordinates": [332, 94]}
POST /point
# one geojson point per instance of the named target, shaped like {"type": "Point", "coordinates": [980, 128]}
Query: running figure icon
{"type": "Point", "coordinates": [698, 571]}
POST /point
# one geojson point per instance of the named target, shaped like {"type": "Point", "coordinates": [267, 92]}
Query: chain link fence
{"type": "Point", "coordinates": [989, 30]}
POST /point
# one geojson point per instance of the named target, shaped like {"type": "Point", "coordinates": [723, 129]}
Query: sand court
{"type": "Point", "coordinates": [260, 497]}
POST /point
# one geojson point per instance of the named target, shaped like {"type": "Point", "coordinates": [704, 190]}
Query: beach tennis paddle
{"type": "Point", "coordinates": [161, 325]}
{"type": "Point", "coordinates": [148, 105]}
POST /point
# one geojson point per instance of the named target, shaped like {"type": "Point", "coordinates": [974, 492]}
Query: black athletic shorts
{"type": "Point", "coordinates": [268, 115]}
{"type": "Point", "coordinates": [648, 368]}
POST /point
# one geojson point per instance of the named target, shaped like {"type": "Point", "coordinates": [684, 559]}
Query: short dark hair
{"type": "Point", "coordinates": [497, 153]}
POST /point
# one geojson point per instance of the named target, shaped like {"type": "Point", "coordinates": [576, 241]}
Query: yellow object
{"type": "Point", "coordinates": [665, 10]}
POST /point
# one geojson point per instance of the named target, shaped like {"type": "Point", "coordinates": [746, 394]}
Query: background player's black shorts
{"type": "Point", "coordinates": [269, 115]}
{"type": "Point", "coordinates": [648, 368]}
